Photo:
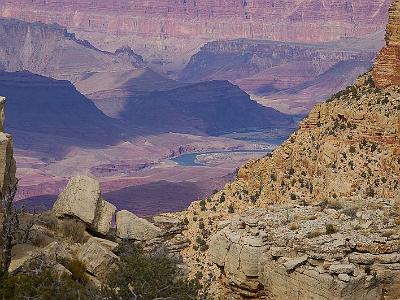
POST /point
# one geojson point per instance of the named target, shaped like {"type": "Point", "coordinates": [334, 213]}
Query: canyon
{"type": "Point", "coordinates": [58, 133]}
{"type": "Point", "coordinates": [291, 77]}
{"type": "Point", "coordinates": [322, 48]}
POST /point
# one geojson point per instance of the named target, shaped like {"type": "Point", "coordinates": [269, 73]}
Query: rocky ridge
{"type": "Point", "coordinates": [50, 50]}
{"type": "Point", "coordinates": [342, 161]}
{"type": "Point", "coordinates": [291, 77]}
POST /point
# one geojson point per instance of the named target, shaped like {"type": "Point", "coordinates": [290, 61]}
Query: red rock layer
{"type": "Point", "coordinates": [297, 20]}
{"type": "Point", "coordinates": [387, 68]}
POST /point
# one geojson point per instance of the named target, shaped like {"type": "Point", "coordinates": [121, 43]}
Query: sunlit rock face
{"type": "Point", "coordinates": [387, 69]}
{"type": "Point", "coordinates": [174, 30]}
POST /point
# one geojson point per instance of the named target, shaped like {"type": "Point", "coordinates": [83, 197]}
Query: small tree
{"type": "Point", "coordinates": [11, 223]}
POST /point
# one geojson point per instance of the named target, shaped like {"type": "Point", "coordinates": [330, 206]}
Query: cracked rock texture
{"type": "Point", "coordinates": [82, 199]}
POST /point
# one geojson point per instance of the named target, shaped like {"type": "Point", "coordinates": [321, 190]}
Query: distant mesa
{"type": "Point", "coordinates": [38, 105]}
{"type": "Point", "coordinates": [211, 107]}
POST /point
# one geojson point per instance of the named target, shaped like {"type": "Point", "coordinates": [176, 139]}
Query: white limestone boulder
{"type": "Point", "coordinates": [130, 226]}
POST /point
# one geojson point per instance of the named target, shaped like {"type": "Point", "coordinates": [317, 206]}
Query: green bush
{"type": "Point", "coordinates": [147, 277]}
{"type": "Point", "coordinates": [43, 285]}
{"type": "Point", "coordinates": [73, 229]}
{"type": "Point", "coordinates": [330, 229]}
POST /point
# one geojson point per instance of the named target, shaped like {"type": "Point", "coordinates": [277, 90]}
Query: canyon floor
{"type": "Point", "coordinates": [145, 174]}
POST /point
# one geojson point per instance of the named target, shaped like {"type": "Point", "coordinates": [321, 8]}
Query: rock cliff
{"type": "Point", "coordinates": [387, 67]}
{"type": "Point", "coordinates": [174, 30]}
{"type": "Point", "coordinates": [7, 161]}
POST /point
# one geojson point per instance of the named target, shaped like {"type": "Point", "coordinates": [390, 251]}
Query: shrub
{"type": "Point", "coordinates": [73, 229]}
{"type": "Point", "coordinates": [313, 234]}
{"type": "Point", "coordinates": [143, 276]}
{"type": "Point", "coordinates": [78, 270]}
{"type": "Point", "coordinates": [352, 149]}
{"type": "Point", "coordinates": [351, 212]}
{"type": "Point", "coordinates": [370, 192]}
{"type": "Point", "coordinates": [231, 209]}
{"type": "Point", "coordinates": [330, 229]}
{"type": "Point", "coordinates": [40, 239]}
{"type": "Point", "coordinates": [49, 220]}
{"type": "Point", "coordinates": [45, 285]}
{"type": "Point", "coordinates": [334, 204]}
{"type": "Point", "coordinates": [201, 225]}
{"type": "Point", "coordinates": [222, 198]}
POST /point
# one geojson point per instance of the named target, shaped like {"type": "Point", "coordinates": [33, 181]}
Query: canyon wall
{"type": "Point", "coordinates": [387, 68]}
{"type": "Point", "coordinates": [168, 32]}
{"type": "Point", "coordinates": [50, 50]}
{"type": "Point", "coordinates": [288, 76]}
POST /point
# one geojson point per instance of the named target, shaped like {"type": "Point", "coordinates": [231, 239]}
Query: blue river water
{"type": "Point", "coordinates": [190, 159]}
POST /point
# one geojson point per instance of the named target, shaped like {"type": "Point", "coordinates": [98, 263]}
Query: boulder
{"type": "Point", "coordinates": [292, 264]}
{"type": "Point", "coordinates": [219, 247]}
{"type": "Point", "coordinates": [342, 269]}
{"type": "Point", "coordinates": [82, 199]}
{"type": "Point", "coordinates": [109, 245]}
{"type": "Point", "coordinates": [99, 260]}
{"type": "Point", "coordinates": [104, 215]}
{"type": "Point", "coordinates": [130, 226]}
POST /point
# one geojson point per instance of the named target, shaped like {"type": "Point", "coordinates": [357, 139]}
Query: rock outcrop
{"type": "Point", "coordinates": [98, 258]}
{"type": "Point", "coordinates": [387, 68]}
{"type": "Point", "coordinates": [333, 250]}
{"type": "Point", "coordinates": [131, 227]}
{"type": "Point", "coordinates": [7, 161]}
{"type": "Point", "coordinates": [82, 199]}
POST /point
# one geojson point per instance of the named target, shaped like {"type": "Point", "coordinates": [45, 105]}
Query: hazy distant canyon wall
{"type": "Point", "coordinates": [170, 29]}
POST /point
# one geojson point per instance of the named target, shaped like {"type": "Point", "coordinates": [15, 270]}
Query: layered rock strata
{"type": "Point", "coordinates": [333, 250]}
{"type": "Point", "coordinates": [387, 68]}
{"type": "Point", "coordinates": [168, 31]}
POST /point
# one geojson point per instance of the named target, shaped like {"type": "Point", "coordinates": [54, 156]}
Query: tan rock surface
{"type": "Point", "coordinates": [79, 199]}
{"type": "Point", "coordinates": [98, 260]}
{"type": "Point", "coordinates": [130, 226]}
{"type": "Point", "coordinates": [82, 199]}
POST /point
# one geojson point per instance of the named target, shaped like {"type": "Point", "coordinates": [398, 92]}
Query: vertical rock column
{"type": "Point", "coordinates": [7, 161]}
{"type": "Point", "coordinates": [387, 67]}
